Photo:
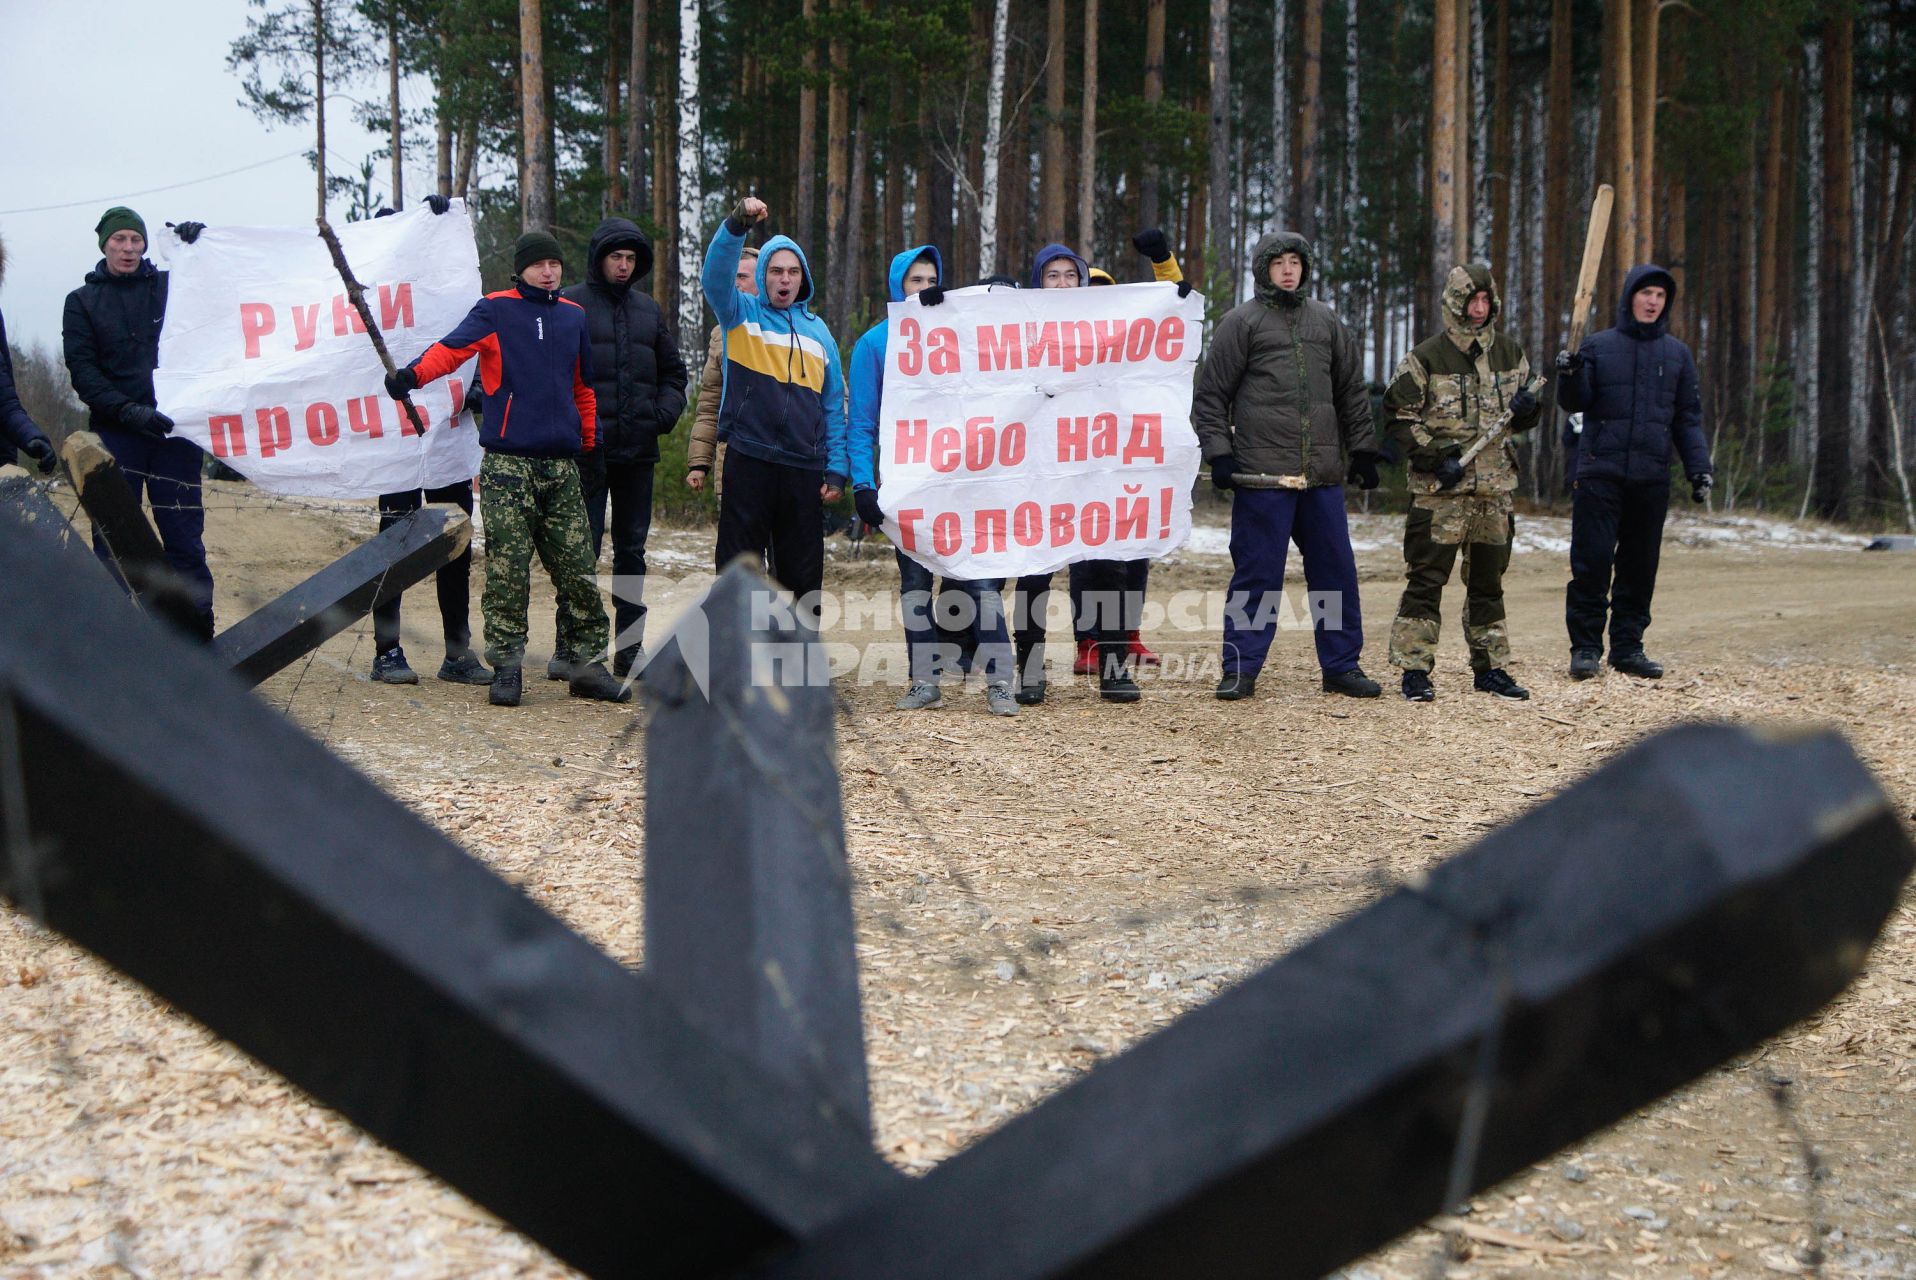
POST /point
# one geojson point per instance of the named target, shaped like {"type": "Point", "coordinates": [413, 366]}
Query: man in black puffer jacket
{"type": "Point", "coordinates": [639, 378]}
{"type": "Point", "coordinates": [110, 334]}
{"type": "Point", "coordinates": [1637, 388]}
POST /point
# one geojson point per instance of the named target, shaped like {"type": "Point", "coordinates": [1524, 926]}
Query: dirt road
{"type": "Point", "coordinates": [1034, 895]}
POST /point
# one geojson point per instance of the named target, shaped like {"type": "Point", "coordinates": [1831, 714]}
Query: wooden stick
{"type": "Point", "coordinates": [1593, 239]}
{"type": "Point", "coordinates": [356, 292]}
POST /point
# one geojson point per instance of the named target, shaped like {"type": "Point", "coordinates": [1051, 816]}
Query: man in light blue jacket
{"type": "Point", "coordinates": [783, 408]}
{"type": "Point", "coordinates": [917, 272]}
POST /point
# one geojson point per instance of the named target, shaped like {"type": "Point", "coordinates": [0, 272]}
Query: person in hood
{"type": "Point", "coordinates": [1637, 389]}
{"type": "Point", "coordinates": [535, 365]}
{"type": "Point", "coordinates": [1447, 391]}
{"type": "Point", "coordinates": [638, 383]}
{"type": "Point", "coordinates": [1283, 418]}
{"type": "Point", "coordinates": [918, 272]}
{"type": "Point", "coordinates": [1098, 587]}
{"type": "Point", "coordinates": [782, 411]}
{"type": "Point", "coordinates": [18, 430]}
{"type": "Point", "coordinates": [110, 335]}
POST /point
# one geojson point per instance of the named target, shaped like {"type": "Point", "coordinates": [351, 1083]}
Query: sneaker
{"type": "Point", "coordinates": [505, 687]}
{"type": "Point", "coordinates": [1633, 662]}
{"type": "Point", "coordinates": [1497, 681]}
{"type": "Point", "coordinates": [1114, 674]}
{"type": "Point", "coordinates": [464, 668]}
{"type": "Point", "coordinates": [1584, 663]}
{"type": "Point", "coordinates": [1352, 684]}
{"type": "Point", "coordinates": [922, 696]}
{"type": "Point", "coordinates": [1141, 655]}
{"type": "Point", "coordinates": [390, 668]}
{"type": "Point", "coordinates": [561, 666]}
{"type": "Point", "coordinates": [1086, 662]}
{"type": "Point", "coordinates": [1417, 687]}
{"type": "Point", "coordinates": [999, 700]}
{"type": "Point", "coordinates": [592, 680]}
{"type": "Point", "coordinates": [1236, 685]}
{"type": "Point", "coordinates": [627, 660]}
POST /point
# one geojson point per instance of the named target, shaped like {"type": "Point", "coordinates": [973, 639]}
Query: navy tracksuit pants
{"type": "Point", "coordinates": [168, 472]}
{"type": "Point", "coordinates": [1264, 522]}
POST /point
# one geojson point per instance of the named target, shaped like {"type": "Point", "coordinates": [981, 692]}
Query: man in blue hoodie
{"type": "Point", "coordinates": [782, 412]}
{"type": "Point", "coordinates": [1637, 388]}
{"type": "Point", "coordinates": [917, 272]}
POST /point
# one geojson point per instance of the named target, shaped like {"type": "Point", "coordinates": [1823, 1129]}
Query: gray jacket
{"type": "Point", "coordinates": [1282, 385]}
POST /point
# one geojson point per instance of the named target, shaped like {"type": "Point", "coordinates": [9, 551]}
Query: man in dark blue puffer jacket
{"type": "Point", "coordinates": [1637, 388]}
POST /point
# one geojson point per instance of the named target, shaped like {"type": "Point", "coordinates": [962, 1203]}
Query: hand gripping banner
{"type": "Point", "coordinates": [265, 364]}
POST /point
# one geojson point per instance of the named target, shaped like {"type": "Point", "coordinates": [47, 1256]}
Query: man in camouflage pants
{"type": "Point", "coordinates": [1446, 391]}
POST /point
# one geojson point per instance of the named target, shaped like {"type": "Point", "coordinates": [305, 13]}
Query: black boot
{"type": "Point", "coordinates": [1584, 663]}
{"type": "Point", "coordinates": [592, 680]}
{"type": "Point", "coordinates": [505, 686]}
{"type": "Point", "coordinates": [1031, 681]}
{"type": "Point", "coordinates": [626, 659]}
{"type": "Point", "coordinates": [1236, 685]}
{"type": "Point", "coordinates": [1417, 687]}
{"type": "Point", "coordinates": [1634, 662]}
{"type": "Point", "coordinates": [561, 666]}
{"type": "Point", "coordinates": [1352, 684]}
{"type": "Point", "coordinates": [1114, 672]}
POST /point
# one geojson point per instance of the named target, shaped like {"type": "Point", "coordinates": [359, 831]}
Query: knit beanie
{"type": "Point", "coordinates": [119, 218]}
{"type": "Point", "coordinates": [534, 246]}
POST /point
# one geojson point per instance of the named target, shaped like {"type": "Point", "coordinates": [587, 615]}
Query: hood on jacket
{"type": "Point", "coordinates": [765, 251]}
{"type": "Point", "coordinates": [901, 265]}
{"type": "Point", "coordinates": [1466, 282]}
{"type": "Point", "coordinates": [101, 275]}
{"type": "Point", "coordinates": [1051, 253]}
{"type": "Point", "coordinates": [617, 233]}
{"type": "Point", "coordinates": [1268, 249]}
{"type": "Point", "coordinates": [1641, 275]}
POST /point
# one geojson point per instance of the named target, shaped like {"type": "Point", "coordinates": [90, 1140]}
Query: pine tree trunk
{"type": "Point", "coordinates": [610, 139]}
{"type": "Point", "coordinates": [1148, 194]}
{"type": "Point", "coordinates": [1353, 125]}
{"type": "Point", "coordinates": [665, 175]}
{"type": "Point", "coordinates": [637, 93]}
{"type": "Point", "coordinates": [1088, 130]}
{"type": "Point", "coordinates": [319, 100]}
{"type": "Point", "coordinates": [1309, 118]}
{"type": "Point", "coordinates": [806, 212]}
{"type": "Point", "coordinates": [1767, 264]}
{"type": "Point", "coordinates": [442, 120]}
{"type": "Point", "coordinates": [1557, 168]}
{"type": "Point", "coordinates": [1623, 134]}
{"type": "Point", "coordinates": [1220, 264]}
{"type": "Point", "coordinates": [845, 304]}
{"type": "Point", "coordinates": [394, 138]}
{"type": "Point", "coordinates": [1051, 173]}
{"type": "Point", "coordinates": [1647, 35]}
{"type": "Point", "coordinates": [1833, 288]}
{"type": "Point", "coordinates": [838, 123]}
{"type": "Point", "coordinates": [1471, 167]}
{"type": "Point", "coordinates": [1445, 194]}
{"type": "Point", "coordinates": [535, 207]}
{"type": "Point", "coordinates": [1283, 193]}
{"type": "Point", "coordinates": [994, 142]}
{"type": "Point", "coordinates": [1502, 165]}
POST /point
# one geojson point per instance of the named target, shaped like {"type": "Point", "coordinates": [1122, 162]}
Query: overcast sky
{"type": "Point", "coordinates": [105, 102]}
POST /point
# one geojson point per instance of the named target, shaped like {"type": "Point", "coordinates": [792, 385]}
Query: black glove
{"type": "Point", "coordinates": [1700, 486]}
{"type": "Point", "coordinates": [1184, 289]}
{"type": "Point", "coordinates": [401, 382]}
{"type": "Point", "coordinates": [146, 420]}
{"type": "Point", "coordinates": [1569, 363]}
{"type": "Point", "coordinates": [1523, 405]}
{"type": "Point", "coordinates": [930, 296]}
{"type": "Point", "coordinates": [188, 232]}
{"type": "Point", "coordinates": [866, 500]}
{"type": "Point", "coordinates": [1224, 471]}
{"type": "Point", "coordinates": [1152, 244]}
{"type": "Point", "coordinates": [1450, 472]}
{"type": "Point", "coordinates": [1363, 469]}
{"type": "Point", "coordinates": [438, 203]}
{"type": "Point", "coordinates": [40, 450]}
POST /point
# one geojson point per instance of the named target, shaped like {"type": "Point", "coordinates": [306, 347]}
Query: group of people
{"type": "Point", "coordinates": [577, 384]}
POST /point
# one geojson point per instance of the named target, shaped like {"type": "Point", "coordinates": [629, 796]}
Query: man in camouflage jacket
{"type": "Point", "coordinates": [1446, 392]}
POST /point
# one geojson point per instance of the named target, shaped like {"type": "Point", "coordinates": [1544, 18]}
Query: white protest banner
{"type": "Point", "coordinates": [266, 365]}
{"type": "Point", "coordinates": [1023, 429]}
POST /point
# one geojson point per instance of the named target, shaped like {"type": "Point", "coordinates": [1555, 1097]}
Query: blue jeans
{"type": "Point", "coordinates": [1264, 522]}
{"type": "Point", "coordinates": [979, 601]}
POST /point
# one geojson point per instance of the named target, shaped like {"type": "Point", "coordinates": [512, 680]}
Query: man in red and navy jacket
{"type": "Point", "coordinates": [535, 363]}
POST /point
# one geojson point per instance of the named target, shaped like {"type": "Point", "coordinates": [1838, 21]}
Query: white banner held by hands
{"type": "Point", "coordinates": [266, 365]}
{"type": "Point", "coordinates": [1024, 429]}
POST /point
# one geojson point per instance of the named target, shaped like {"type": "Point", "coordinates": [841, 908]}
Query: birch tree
{"type": "Point", "coordinates": [994, 141]}
{"type": "Point", "coordinates": [691, 193]}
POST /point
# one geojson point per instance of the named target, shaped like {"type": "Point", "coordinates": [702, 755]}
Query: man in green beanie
{"type": "Point", "coordinates": [111, 338]}
{"type": "Point", "coordinates": [535, 363]}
